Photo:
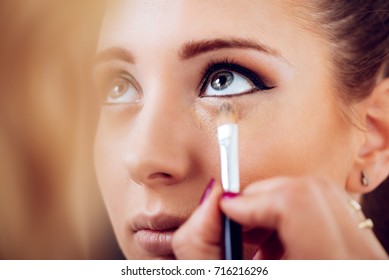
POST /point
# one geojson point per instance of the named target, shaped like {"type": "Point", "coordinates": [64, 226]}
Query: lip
{"type": "Point", "coordinates": [154, 233]}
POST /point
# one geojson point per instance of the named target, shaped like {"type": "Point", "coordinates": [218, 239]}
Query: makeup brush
{"type": "Point", "coordinates": [228, 142]}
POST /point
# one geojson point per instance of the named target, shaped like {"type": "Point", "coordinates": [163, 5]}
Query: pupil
{"type": "Point", "coordinates": [118, 90]}
{"type": "Point", "coordinates": [222, 80]}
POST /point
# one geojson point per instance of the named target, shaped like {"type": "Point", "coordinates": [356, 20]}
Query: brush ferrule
{"type": "Point", "coordinates": [228, 143]}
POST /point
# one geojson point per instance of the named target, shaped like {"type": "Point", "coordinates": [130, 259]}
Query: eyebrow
{"type": "Point", "coordinates": [114, 53]}
{"type": "Point", "coordinates": [195, 48]}
{"type": "Point", "coordinates": [191, 49]}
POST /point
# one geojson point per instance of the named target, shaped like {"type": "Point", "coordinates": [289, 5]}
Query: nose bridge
{"type": "Point", "coordinates": [162, 107]}
{"type": "Point", "coordinates": [163, 113]}
{"type": "Point", "coordinates": [160, 134]}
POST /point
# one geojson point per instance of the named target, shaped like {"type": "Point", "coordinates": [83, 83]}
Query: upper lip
{"type": "Point", "coordinates": [156, 222]}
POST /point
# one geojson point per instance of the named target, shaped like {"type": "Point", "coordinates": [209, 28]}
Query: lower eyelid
{"type": "Point", "coordinates": [234, 95]}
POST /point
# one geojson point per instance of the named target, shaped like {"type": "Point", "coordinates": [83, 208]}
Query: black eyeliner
{"type": "Point", "coordinates": [228, 65]}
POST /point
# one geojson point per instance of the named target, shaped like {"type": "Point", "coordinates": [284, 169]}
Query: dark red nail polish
{"type": "Point", "coordinates": [207, 190]}
{"type": "Point", "coordinates": [229, 195]}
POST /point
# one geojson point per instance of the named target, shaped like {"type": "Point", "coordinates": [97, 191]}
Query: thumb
{"type": "Point", "coordinates": [200, 236]}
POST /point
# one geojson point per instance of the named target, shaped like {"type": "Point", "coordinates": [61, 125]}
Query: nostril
{"type": "Point", "coordinates": [160, 175]}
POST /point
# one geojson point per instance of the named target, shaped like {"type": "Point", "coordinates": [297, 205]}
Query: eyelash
{"type": "Point", "coordinates": [230, 65]}
{"type": "Point", "coordinates": [207, 73]}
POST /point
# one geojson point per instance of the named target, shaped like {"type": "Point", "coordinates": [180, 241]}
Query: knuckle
{"type": "Point", "coordinates": [302, 191]}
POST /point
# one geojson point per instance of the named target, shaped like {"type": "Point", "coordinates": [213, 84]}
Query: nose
{"type": "Point", "coordinates": [159, 146]}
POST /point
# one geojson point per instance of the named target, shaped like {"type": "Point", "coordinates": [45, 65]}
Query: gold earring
{"type": "Point", "coordinates": [365, 181]}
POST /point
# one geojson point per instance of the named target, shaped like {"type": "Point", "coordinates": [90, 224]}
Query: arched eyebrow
{"type": "Point", "coordinates": [195, 48]}
{"type": "Point", "coordinates": [192, 49]}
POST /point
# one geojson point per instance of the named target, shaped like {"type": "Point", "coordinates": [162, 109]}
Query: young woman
{"type": "Point", "coordinates": [307, 80]}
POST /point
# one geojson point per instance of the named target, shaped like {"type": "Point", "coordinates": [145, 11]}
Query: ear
{"type": "Point", "coordinates": [373, 155]}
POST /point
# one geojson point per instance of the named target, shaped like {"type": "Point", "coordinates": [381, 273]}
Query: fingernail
{"type": "Point", "coordinates": [229, 195]}
{"type": "Point", "coordinates": [207, 190]}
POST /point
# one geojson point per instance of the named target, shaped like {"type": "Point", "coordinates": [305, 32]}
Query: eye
{"type": "Point", "coordinates": [228, 83]}
{"type": "Point", "coordinates": [227, 79]}
{"type": "Point", "coordinates": [121, 90]}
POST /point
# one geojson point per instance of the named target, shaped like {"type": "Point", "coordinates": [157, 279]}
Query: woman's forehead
{"type": "Point", "coordinates": [171, 22]}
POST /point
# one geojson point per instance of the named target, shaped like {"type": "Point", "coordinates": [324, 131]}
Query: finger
{"type": "Point", "coordinates": [263, 203]}
{"type": "Point", "coordinates": [267, 203]}
{"type": "Point", "coordinates": [272, 248]}
{"type": "Point", "coordinates": [310, 215]}
{"type": "Point", "coordinates": [200, 236]}
{"type": "Point", "coordinates": [256, 235]}
{"type": "Point", "coordinates": [290, 207]}
{"type": "Point", "coordinates": [259, 205]}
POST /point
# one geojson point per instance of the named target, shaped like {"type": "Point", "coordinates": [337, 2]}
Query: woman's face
{"type": "Point", "coordinates": [164, 68]}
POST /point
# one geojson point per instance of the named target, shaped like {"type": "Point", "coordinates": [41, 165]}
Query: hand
{"type": "Point", "coordinates": [200, 236]}
{"type": "Point", "coordinates": [292, 218]}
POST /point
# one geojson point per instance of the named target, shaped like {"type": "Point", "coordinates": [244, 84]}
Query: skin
{"type": "Point", "coordinates": [156, 153]}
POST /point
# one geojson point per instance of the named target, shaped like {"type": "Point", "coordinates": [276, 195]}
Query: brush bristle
{"type": "Point", "coordinates": [227, 114]}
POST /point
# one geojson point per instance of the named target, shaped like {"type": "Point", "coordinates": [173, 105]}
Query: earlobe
{"type": "Point", "coordinates": [365, 180]}
{"type": "Point", "coordinates": [372, 162]}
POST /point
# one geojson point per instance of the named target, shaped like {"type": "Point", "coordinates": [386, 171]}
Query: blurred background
{"type": "Point", "coordinates": [50, 205]}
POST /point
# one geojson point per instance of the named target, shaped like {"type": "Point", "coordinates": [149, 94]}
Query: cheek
{"type": "Point", "coordinates": [110, 172]}
{"type": "Point", "coordinates": [309, 141]}
{"type": "Point", "coordinates": [106, 158]}
{"type": "Point", "coordinates": [117, 192]}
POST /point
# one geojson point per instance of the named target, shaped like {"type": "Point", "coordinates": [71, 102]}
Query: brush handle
{"type": "Point", "coordinates": [232, 239]}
